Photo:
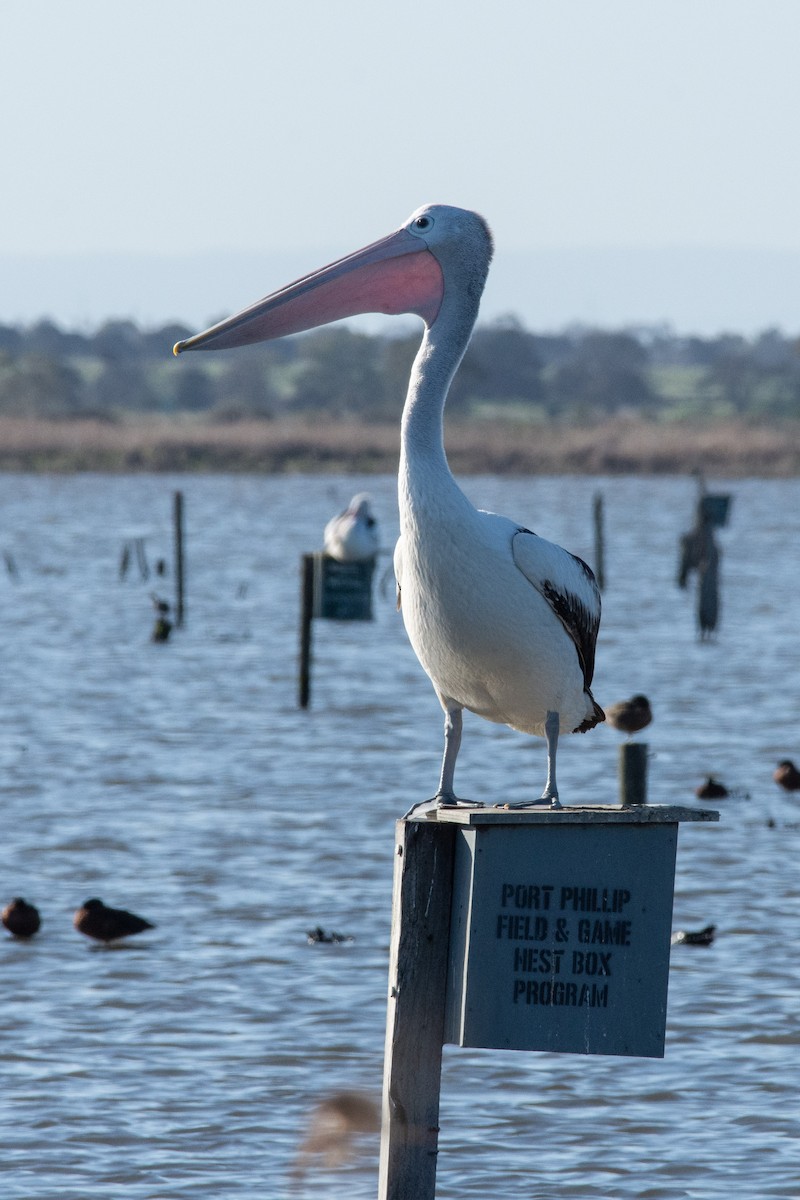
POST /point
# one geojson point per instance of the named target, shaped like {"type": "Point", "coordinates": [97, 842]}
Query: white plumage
{"type": "Point", "coordinates": [353, 535]}
{"type": "Point", "coordinates": [504, 622]}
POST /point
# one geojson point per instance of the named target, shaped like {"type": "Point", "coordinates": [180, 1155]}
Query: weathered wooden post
{"type": "Point", "coordinates": [520, 929]}
{"type": "Point", "coordinates": [633, 773]}
{"type": "Point", "coordinates": [708, 589]}
{"type": "Point", "coordinates": [141, 558]}
{"type": "Point", "coordinates": [333, 591]}
{"type": "Point", "coordinates": [179, 558]}
{"type": "Point", "coordinates": [599, 541]}
{"type": "Point", "coordinates": [699, 552]}
{"type": "Point", "coordinates": [306, 616]}
{"type": "Point", "coordinates": [415, 1024]}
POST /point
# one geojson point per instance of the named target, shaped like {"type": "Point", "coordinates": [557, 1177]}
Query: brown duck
{"type": "Point", "coordinates": [712, 789]}
{"type": "Point", "coordinates": [629, 716]}
{"type": "Point", "coordinates": [787, 776]}
{"type": "Point", "coordinates": [20, 918]}
{"type": "Point", "coordinates": [97, 920]}
{"type": "Point", "coordinates": [694, 937]}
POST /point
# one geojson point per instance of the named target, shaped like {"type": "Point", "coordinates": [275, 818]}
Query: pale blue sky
{"type": "Point", "coordinates": [179, 127]}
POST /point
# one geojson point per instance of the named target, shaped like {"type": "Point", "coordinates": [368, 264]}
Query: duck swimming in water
{"type": "Point", "coordinates": [20, 918]}
{"type": "Point", "coordinates": [97, 920]}
{"type": "Point", "coordinates": [712, 789]}
{"type": "Point", "coordinates": [787, 776]}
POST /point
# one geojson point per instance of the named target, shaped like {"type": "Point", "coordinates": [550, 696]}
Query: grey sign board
{"type": "Point", "coordinates": [560, 932]}
{"type": "Point", "coordinates": [342, 590]}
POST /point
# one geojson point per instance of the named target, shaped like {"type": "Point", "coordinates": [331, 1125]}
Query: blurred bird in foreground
{"type": "Point", "coordinates": [712, 789]}
{"type": "Point", "coordinates": [20, 918]}
{"type": "Point", "coordinates": [353, 535]}
{"type": "Point", "coordinates": [105, 924]}
{"type": "Point", "coordinates": [629, 716]}
{"type": "Point", "coordinates": [697, 937]}
{"type": "Point", "coordinates": [332, 1130]}
{"type": "Point", "coordinates": [787, 776]}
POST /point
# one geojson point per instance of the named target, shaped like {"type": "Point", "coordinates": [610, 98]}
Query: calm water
{"type": "Point", "coordinates": [181, 781]}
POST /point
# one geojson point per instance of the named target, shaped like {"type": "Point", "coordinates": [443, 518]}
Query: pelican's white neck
{"type": "Point", "coordinates": [423, 463]}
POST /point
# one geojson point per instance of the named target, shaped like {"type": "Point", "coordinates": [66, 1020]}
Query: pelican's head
{"type": "Point", "coordinates": [438, 249]}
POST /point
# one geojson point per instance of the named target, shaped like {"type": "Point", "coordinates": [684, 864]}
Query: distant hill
{"type": "Point", "coordinates": [703, 291]}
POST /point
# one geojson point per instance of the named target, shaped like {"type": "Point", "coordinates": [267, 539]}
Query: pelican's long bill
{"type": "Point", "coordinates": [397, 274]}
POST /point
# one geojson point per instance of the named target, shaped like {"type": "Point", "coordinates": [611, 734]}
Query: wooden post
{"type": "Point", "coordinates": [466, 903]}
{"type": "Point", "coordinates": [699, 552]}
{"type": "Point", "coordinates": [179, 562]}
{"type": "Point", "coordinates": [633, 773]}
{"type": "Point", "coordinates": [141, 558]}
{"type": "Point", "coordinates": [306, 615]}
{"type": "Point", "coordinates": [599, 541]}
{"type": "Point", "coordinates": [415, 1019]}
{"type": "Point", "coordinates": [708, 585]}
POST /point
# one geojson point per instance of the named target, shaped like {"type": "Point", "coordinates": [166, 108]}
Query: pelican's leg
{"type": "Point", "coordinates": [551, 727]}
{"type": "Point", "coordinates": [550, 793]}
{"type": "Point", "coordinates": [452, 743]}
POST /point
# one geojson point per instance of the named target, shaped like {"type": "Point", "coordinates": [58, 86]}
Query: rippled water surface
{"type": "Point", "coordinates": [182, 781]}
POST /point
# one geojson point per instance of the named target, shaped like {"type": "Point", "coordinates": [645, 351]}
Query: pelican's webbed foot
{"type": "Point", "coordinates": [551, 800]}
{"type": "Point", "coordinates": [440, 800]}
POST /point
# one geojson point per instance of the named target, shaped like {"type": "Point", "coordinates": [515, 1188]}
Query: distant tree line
{"type": "Point", "coordinates": [578, 374]}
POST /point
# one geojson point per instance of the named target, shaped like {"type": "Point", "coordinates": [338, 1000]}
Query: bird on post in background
{"type": "Point", "coordinates": [353, 535]}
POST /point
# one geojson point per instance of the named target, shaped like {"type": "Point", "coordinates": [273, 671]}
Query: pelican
{"type": "Point", "coordinates": [503, 622]}
{"type": "Point", "coordinates": [353, 535]}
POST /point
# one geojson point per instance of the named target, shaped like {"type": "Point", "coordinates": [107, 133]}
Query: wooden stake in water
{"type": "Point", "coordinates": [633, 773]}
{"type": "Point", "coordinates": [333, 591]}
{"type": "Point", "coordinates": [306, 617]}
{"type": "Point", "coordinates": [179, 559]}
{"type": "Point", "coordinates": [599, 541]}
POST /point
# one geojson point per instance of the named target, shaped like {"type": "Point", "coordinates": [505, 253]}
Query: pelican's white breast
{"type": "Point", "coordinates": [486, 635]}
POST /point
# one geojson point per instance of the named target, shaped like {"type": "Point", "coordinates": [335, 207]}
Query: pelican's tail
{"type": "Point", "coordinates": [595, 718]}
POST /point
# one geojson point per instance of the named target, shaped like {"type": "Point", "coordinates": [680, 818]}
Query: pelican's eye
{"type": "Point", "coordinates": [423, 223]}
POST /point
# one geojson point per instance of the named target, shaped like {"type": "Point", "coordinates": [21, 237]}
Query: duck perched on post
{"type": "Point", "coordinates": [629, 716]}
{"type": "Point", "coordinates": [503, 621]}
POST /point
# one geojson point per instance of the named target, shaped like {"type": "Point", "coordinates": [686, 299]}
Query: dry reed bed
{"type": "Point", "coordinates": [617, 446]}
